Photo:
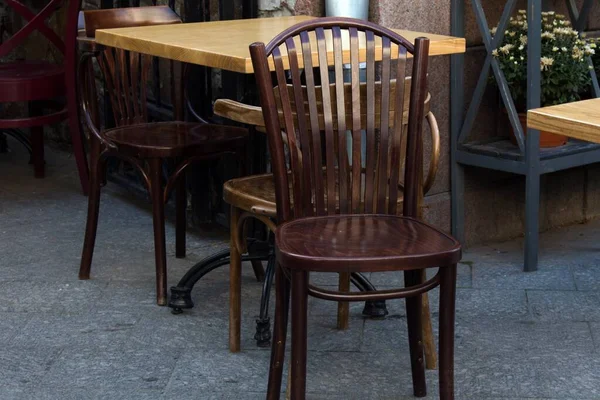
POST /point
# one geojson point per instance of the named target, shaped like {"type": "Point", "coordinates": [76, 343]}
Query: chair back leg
{"type": "Point", "coordinates": [180, 217]}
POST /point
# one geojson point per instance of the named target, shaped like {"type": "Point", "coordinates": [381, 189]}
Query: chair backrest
{"type": "Point", "coordinates": [328, 176]}
{"type": "Point", "coordinates": [38, 22]}
{"type": "Point", "coordinates": [126, 73]}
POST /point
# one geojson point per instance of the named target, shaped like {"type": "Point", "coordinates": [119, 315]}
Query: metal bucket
{"type": "Point", "coordinates": [347, 8]}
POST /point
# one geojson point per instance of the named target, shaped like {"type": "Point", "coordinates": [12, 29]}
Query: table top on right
{"type": "Point", "coordinates": [578, 120]}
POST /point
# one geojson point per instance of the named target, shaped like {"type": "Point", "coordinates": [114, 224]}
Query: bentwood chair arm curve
{"type": "Point", "coordinates": [84, 86]}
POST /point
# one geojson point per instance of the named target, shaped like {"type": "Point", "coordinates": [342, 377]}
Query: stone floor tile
{"type": "Point", "coordinates": [81, 330]}
{"type": "Point", "coordinates": [556, 275]}
{"type": "Point", "coordinates": [595, 328]}
{"type": "Point", "coordinates": [215, 370]}
{"type": "Point", "coordinates": [21, 367]}
{"type": "Point", "coordinates": [587, 276]}
{"type": "Point", "coordinates": [564, 305]}
{"type": "Point", "coordinates": [48, 297]}
{"type": "Point", "coordinates": [11, 325]}
{"type": "Point", "coordinates": [130, 367]}
{"type": "Point", "coordinates": [478, 303]}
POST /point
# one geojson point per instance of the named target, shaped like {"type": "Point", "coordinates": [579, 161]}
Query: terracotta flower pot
{"type": "Point", "coordinates": [547, 139]}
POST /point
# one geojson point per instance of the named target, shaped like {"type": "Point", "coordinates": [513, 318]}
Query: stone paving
{"type": "Point", "coordinates": [518, 335]}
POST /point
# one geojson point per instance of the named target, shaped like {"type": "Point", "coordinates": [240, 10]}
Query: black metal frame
{"type": "Point", "coordinates": [528, 159]}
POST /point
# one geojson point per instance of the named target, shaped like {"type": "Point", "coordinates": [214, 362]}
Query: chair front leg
{"type": "Point", "coordinates": [91, 226]}
{"type": "Point", "coordinates": [158, 217]}
{"type": "Point", "coordinates": [415, 334]}
{"type": "Point", "coordinates": [447, 316]}
{"type": "Point", "coordinates": [235, 283]}
{"type": "Point", "coordinates": [282, 303]}
{"type": "Point", "coordinates": [299, 333]}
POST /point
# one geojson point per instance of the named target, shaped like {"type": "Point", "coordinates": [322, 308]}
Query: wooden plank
{"type": "Point", "coordinates": [224, 44]}
{"type": "Point", "coordinates": [579, 120]}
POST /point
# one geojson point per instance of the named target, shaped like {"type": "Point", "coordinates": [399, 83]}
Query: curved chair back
{"type": "Point", "coordinates": [126, 73]}
{"type": "Point", "coordinates": [327, 175]}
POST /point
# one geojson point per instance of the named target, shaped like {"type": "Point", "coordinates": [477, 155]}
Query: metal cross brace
{"type": "Point", "coordinates": [490, 61]}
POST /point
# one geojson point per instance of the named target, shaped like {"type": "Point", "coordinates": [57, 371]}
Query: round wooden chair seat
{"type": "Point", "coordinates": [175, 139]}
{"type": "Point", "coordinates": [31, 80]}
{"type": "Point", "coordinates": [255, 194]}
{"type": "Point", "coordinates": [365, 243]}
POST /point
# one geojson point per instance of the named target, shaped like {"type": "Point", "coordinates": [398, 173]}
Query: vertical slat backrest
{"type": "Point", "coordinates": [316, 171]}
{"type": "Point", "coordinates": [126, 73]}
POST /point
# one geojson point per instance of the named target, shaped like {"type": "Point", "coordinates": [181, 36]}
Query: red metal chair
{"type": "Point", "coordinates": [35, 82]}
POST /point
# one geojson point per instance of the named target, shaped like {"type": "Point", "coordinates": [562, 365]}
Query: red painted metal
{"type": "Point", "coordinates": [29, 81]}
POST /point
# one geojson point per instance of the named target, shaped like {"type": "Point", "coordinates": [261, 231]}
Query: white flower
{"type": "Point", "coordinates": [511, 58]}
{"type": "Point", "coordinates": [493, 31]}
{"type": "Point", "coordinates": [522, 58]}
{"type": "Point", "coordinates": [555, 49]}
{"type": "Point", "coordinates": [516, 63]}
{"type": "Point", "coordinates": [521, 47]}
{"type": "Point", "coordinates": [523, 40]}
{"type": "Point", "coordinates": [495, 53]}
{"type": "Point", "coordinates": [564, 49]}
{"type": "Point", "coordinates": [545, 63]}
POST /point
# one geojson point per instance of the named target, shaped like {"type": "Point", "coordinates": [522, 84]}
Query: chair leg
{"type": "Point", "coordinates": [447, 314]}
{"type": "Point", "coordinates": [343, 313]}
{"type": "Point", "coordinates": [235, 284]}
{"type": "Point", "coordinates": [158, 217]}
{"type": "Point", "coordinates": [92, 214]}
{"type": "Point", "coordinates": [428, 339]}
{"type": "Point", "coordinates": [415, 334]}
{"type": "Point", "coordinates": [282, 302]}
{"type": "Point", "coordinates": [180, 218]}
{"type": "Point", "coordinates": [299, 333]}
{"type": "Point", "coordinates": [37, 142]}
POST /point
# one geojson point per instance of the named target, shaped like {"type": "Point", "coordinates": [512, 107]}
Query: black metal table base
{"type": "Point", "coordinates": [181, 295]}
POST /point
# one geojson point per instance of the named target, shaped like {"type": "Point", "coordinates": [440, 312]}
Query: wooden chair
{"type": "Point", "coordinates": [254, 197]}
{"type": "Point", "coordinates": [334, 215]}
{"type": "Point", "coordinates": [40, 83]}
{"type": "Point", "coordinates": [141, 143]}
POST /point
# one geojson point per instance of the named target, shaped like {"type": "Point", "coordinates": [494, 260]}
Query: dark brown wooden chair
{"type": "Point", "coordinates": [254, 197]}
{"type": "Point", "coordinates": [141, 143]}
{"type": "Point", "coordinates": [335, 215]}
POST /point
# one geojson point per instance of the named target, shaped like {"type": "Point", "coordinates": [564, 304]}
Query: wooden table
{"type": "Point", "coordinates": [224, 44]}
{"type": "Point", "coordinates": [578, 120]}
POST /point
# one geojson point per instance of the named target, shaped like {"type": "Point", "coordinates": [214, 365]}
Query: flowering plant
{"type": "Point", "coordinates": [594, 45]}
{"type": "Point", "coordinates": [564, 66]}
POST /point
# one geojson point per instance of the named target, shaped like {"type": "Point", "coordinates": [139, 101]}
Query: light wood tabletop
{"type": "Point", "coordinates": [224, 44]}
{"type": "Point", "coordinates": [579, 120]}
